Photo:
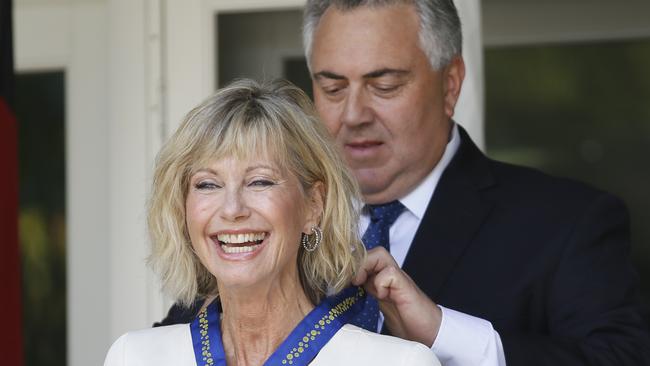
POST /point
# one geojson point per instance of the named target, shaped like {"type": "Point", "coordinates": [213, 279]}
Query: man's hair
{"type": "Point", "coordinates": [243, 120]}
{"type": "Point", "coordinates": [440, 34]}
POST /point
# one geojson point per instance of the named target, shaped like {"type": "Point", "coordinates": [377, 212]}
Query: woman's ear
{"type": "Point", "coordinates": [315, 204]}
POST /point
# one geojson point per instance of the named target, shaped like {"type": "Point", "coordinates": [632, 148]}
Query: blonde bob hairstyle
{"type": "Point", "coordinates": [242, 120]}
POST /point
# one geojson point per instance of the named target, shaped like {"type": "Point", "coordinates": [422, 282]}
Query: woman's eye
{"type": "Point", "coordinates": [205, 186]}
{"type": "Point", "coordinates": [261, 183]}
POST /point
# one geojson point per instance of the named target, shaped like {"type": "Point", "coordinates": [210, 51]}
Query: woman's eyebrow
{"type": "Point", "coordinates": [205, 170]}
{"type": "Point", "coordinates": [261, 166]}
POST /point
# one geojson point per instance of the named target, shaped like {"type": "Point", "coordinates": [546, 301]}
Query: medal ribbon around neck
{"type": "Point", "coordinates": [302, 344]}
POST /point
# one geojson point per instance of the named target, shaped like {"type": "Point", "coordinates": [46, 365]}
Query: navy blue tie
{"type": "Point", "coordinates": [381, 219]}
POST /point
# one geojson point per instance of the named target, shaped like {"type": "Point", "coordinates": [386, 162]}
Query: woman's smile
{"type": "Point", "coordinates": [239, 245]}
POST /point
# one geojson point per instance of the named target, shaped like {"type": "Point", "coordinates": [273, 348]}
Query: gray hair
{"type": "Point", "coordinates": [440, 35]}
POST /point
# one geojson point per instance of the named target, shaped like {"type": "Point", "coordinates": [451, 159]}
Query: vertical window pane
{"type": "Point", "coordinates": [263, 46]}
{"type": "Point", "coordinates": [580, 111]}
{"type": "Point", "coordinates": [41, 144]}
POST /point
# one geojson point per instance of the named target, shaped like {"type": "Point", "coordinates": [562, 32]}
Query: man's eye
{"type": "Point", "coordinates": [205, 186]}
{"type": "Point", "coordinates": [261, 183]}
{"type": "Point", "coordinates": [332, 89]}
{"type": "Point", "coordinates": [386, 88]}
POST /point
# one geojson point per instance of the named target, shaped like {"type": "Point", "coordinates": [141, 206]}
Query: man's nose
{"type": "Point", "coordinates": [356, 110]}
{"type": "Point", "coordinates": [234, 207]}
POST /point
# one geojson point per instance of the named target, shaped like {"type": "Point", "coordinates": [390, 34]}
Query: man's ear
{"type": "Point", "coordinates": [315, 205]}
{"type": "Point", "coordinates": [453, 74]}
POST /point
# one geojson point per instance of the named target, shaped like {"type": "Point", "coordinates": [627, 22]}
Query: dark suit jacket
{"type": "Point", "coordinates": [546, 260]}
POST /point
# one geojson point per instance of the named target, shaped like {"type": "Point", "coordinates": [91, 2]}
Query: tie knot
{"type": "Point", "coordinates": [386, 212]}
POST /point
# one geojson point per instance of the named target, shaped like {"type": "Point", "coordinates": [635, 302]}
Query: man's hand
{"type": "Point", "coordinates": [408, 312]}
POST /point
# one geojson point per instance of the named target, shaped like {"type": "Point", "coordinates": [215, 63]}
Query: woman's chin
{"type": "Point", "coordinates": [241, 282]}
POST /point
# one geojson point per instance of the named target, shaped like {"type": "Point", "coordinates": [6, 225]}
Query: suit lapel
{"type": "Point", "coordinates": [455, 213]}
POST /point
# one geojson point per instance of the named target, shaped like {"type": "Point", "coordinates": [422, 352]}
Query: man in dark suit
{"type": "Point", "coordinates": [498, 263]}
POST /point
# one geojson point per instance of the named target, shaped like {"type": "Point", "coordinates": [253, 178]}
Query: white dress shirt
{"type": "Point", "coordinates": [462, 339]}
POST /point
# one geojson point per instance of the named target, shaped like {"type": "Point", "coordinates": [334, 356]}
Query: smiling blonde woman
{"type": "Point", "coordinates": [253, 211]}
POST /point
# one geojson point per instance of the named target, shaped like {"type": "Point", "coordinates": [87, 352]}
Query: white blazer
{"type": "Point", "coordinates": [351, 345]}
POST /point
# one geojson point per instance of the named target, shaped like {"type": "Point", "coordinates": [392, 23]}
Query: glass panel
{"type": "Point", "coordinates": [578, 111]}
{"type": "Point", "coordinates": [40, 115]}
{"type": "Point", "coordinates": [261, 45]}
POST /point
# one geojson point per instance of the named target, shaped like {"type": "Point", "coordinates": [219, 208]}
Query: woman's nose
{"type": "Point", "coordinates": [234, 206]}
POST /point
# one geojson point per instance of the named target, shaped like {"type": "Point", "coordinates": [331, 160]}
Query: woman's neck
{"type": "Point", "coordinates": [256, 321]}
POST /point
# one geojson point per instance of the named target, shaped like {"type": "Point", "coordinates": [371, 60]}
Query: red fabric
{"type": "Point", "coordinates": [11, 339]}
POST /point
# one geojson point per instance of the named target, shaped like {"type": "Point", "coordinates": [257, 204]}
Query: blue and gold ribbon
{"type": "Point", "coordinates": [206, 338]}
{"type": "Point", "coordinates": [299, 348]}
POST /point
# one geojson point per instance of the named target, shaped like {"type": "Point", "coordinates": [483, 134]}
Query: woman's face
{"type": "Point", "coordinates": [245, 219]}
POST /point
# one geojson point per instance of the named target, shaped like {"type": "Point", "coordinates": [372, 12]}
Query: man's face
{"type": "Point", "coordinates": [380, 98]}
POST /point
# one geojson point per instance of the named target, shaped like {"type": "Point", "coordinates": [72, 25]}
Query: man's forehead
{"type": "Point", "coordinates": [365, 41]}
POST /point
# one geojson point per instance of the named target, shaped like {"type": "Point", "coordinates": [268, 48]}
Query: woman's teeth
{"type": "Point", "coordinates": [244, 249]}
{"type": "Point", "coordinates": [240, 243]}
{"type": "Point", "coordinates": [240, 238]}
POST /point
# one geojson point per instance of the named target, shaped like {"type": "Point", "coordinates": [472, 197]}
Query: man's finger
{"type": "Point", "coordinates": [376, 260]}
{"type": "Point", "coordinates": [388, 279]}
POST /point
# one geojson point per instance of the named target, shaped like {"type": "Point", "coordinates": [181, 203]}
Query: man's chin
{"type": "Point", "coordinates": [373, 189]}
{"type": "Point", "coordinates": [379, 188]}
